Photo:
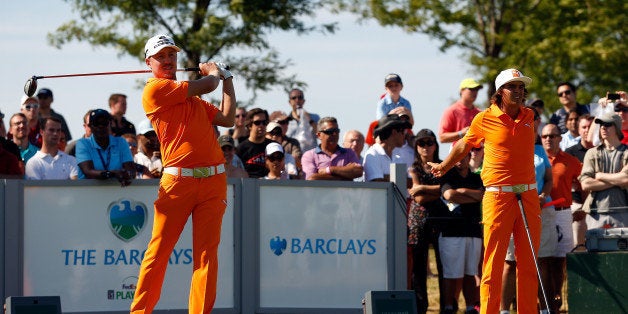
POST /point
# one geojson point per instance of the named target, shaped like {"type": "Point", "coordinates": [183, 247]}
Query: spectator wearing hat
{"type": "Point", "coordinates": [605, 175]}
{"type": "Point", "coordinates": [102, 155]}
{"type": "Point", "coordinates": [392, 98]}
{"type": "Point", "coordinates": [19, 133]}
{"type": "Point", "coordinates": [391, 130]}
{"type": "Point", "coordinates": [45, 98]}
{"type": "Point", "coordinates": [330, 161]}
{"type": "Point", "coordinates": [251, 150]}
{"type": "Point", "coordinates": [292, 167]}
{"type": "Point", "coordinates": [457, 118]}
{"type": "Point", "coordinates": [30, 108]}
{"type": "Point", "coordinates": [300, 125]}
{"type": "Point", "coordinates": [119, 124]}
{"type": "Point", "coordinates": [290, 145]}
{"type": "Point", "coordinates": [507, 130]}
{"type": "Point", "coordinates": [405, 153]}
{"type": "Point", "coordinates": [275, 162]}
{"type": "Point", "coordinates": [232, 168]}
{"type": "Point", "coordinates": [566, 92]}
{"type": "Point", "coordinates": [148, 154]}
{"type": "Point", "coordinates": [50, 163]}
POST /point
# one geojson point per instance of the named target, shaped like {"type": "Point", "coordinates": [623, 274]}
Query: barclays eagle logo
{"type": "Point", "coordinates": [127, 218]}
{"type": "Point", "coordinates": [278, 245]}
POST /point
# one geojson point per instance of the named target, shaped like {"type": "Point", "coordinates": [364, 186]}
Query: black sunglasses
{"type": "Point", "coordinates": [331, 131]}
{"type": "Point", "coordinates": [621, 109]}
{"type": "Point", "coordinates": [551, 136]}
{"type": "Point", "coordinates": [260, 122]}
{"type": "Point", "coordinates": [606, 124]}
{"type": "Point", "coordinates": [567, 92]}
{"type": "Point", "coordinates": [425, 143]}
{"type": "Point", "coordinates": [277, 157]}
{"type": "Point", "coordinates": [296, 97]}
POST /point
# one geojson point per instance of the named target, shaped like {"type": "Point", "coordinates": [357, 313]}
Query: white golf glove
{"type": "Point", "coordinates": [224, 72]}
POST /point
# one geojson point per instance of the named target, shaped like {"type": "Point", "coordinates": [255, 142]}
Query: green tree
{"type": "Point", "coordinates": [234, 32]}
{"type": "Point", "coordinates": [581, 41]}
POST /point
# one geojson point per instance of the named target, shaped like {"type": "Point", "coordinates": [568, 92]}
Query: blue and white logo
{"type": "Point", "coordinates": [278, 245]}
{"type": "Point", "coordinates": [127, 218]}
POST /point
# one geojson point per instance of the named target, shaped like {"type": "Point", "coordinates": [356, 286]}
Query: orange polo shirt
{"type": "Point", "coordinates": [182, 124]}
{"type": "Point", "coordinates": [565, 171]}
{"type": "Point", "coordinates": [508, 146]}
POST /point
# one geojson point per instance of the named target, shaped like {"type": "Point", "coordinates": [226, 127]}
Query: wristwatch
{"type": "Point", "coordinates": [106, 174]}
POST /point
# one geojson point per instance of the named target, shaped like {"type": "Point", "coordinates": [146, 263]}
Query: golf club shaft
{"type": "Point", "coordinates": [536, 264]}
{"type": "Point", "coordinates": [110, 73]}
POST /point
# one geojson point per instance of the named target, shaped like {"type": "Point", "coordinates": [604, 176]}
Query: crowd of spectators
{"type": "Point", "coordinates": [582, 147]}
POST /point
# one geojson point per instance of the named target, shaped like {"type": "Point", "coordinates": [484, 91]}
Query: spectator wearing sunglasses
{"type": "Point", "coordinates": [290, 145]}
{"type": "Point", "coordinates": [330, 161]}
{"type": "Point", "coordinates": [566, 93]}
{"type": "Point", "coordinates": [605, 175]}
{"type": "Point", "coordinates": [274, 133]}
{"type": "Point", "coordinates": [251, 150]}
{"type": "Point", "coordinates": [391, 131]}
{"type": "Point", "coordinates": [239, 132]}
{"type": "Point", "coordinates": [275, 162]}
{"type": "Point", "coordinates": [299, 126]}
{"type": "Point", "coordinates": [30, 108]}
{"type": "Point", "coordinates": [19, 134]}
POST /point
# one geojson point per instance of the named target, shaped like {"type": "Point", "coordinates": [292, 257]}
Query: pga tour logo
{"type": "Point", "coordinates": [127, 218]}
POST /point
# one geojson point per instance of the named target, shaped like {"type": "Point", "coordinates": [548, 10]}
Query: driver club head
{"type": "Point", "coordinates": [31, 86]}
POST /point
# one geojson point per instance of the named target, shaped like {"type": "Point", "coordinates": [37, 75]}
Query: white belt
{"type": "Point", "coordinates": [198, 172]}
{"type": "Point", "coordinates": [518, 188]}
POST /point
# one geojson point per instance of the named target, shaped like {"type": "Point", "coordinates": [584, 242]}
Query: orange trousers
{"type": "Point", "coordinates": [501, 216]}
{"type": "Point", "coordinates": [178, 198]}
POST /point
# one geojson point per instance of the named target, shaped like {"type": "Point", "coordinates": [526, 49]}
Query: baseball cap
{"type": "Point", "coordinates": [391, 121]}
{"type": "Point", "coordinates": [314, 117]}
{"type": "Point", "coordinates": [470, 84]}
{"type": "Point", "coordinates": [225, 140]}
{"type": "Point", "coordinates": [613, 118]}
{"type": "Point", "coordinates": [144, 127]}
{"type": "Point", "coordinates": [271, 126]}
{"type": "Point", "coordinates": [273, 148]}
{"type": "Point", "coordinates": [25, 98]}
{"type": "Point", "coordinates": [511, 75]}
{"type": "Point", "coordinates": [158, 42]}
{"type": "Point", "coordinates": [392, 77]}
{"type": "Point", "coordinates": [424, 133]}
{"type": "Point", "coordinates": [97, 114]}
{"type": "Point", "coordinates": [46, 92]}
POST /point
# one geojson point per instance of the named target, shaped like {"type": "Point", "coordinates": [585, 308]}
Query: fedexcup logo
{"type": "Point", "coordinates": [127, 218]}
{"type": "Point", "coordinates": [278, 245]}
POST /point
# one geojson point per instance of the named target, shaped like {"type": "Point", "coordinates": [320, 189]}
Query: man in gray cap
{"type": "Point", "coordinates": [391, 130]}
{"type": "Point", "coordinates": [605, 176]}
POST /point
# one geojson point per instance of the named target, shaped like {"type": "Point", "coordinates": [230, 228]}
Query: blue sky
{"type": "Point", "coordinates": [344, 71]}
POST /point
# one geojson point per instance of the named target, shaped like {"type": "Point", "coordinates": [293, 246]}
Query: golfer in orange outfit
{"type": "Point", "coordinates": [507, 130]}
{"type": "Point", "coordinates": [194, 181]}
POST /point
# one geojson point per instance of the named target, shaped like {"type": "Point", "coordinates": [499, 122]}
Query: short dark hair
{"type": "Point", "coordinates": [114, 98]}
{"type": "Point", "coordinates": [571, 86]}
{"type": "Point", "coordinates": [44, 121]}
{"type": "Point", "coordinates": [252, 113]}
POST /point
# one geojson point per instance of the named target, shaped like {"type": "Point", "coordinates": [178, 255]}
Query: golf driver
{"type": "Point", "coordinates": [31, 84]}
{"type": "Point", "coordinates": [536, 264]}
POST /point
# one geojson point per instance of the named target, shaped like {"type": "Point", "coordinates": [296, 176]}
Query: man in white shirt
{"type": "Point", "coordinates": [391, 130]}
{"type": "Point", "coordinates": [49, 163]}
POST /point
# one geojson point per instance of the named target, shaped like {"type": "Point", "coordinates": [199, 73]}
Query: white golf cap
{"type": "Point", "coordinates": [511, 75]}
{"type": "Point", "coordinates": [158, 42]}
{"type": "Point", "coordinates": [273, 148]}
{"type": "Point", "coordinates": [144, 127]}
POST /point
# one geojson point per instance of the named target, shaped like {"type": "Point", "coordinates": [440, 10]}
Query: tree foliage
{"type": "Point", "coordinates": [581, 41]}
{"type": "Point", "coordinates": [234, 32]}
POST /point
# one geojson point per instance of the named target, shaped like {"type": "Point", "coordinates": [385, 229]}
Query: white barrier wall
{"type": "Point", "coordinates": [287, 247]}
